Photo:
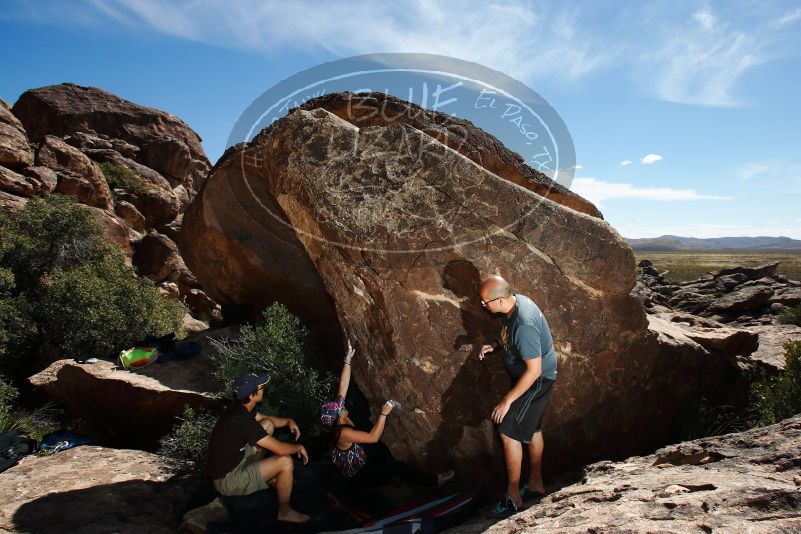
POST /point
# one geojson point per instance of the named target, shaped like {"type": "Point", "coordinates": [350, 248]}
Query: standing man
{"type": "Point", "coordinates": [530, 360]}
{"type": "Point", "coordinates": [238, 441]}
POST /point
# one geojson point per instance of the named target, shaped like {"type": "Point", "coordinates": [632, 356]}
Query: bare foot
{"type": "Point", "coordinates": [292, 516]}
{"type": "Point", "coordinates": [533, 488]}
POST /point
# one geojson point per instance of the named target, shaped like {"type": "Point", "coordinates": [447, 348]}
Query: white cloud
{"type": "Point", "coordinates": [598, 191]}
{"type": "Point", "coordinates": [577, 167]}
{"type": "Point", "coordinates": [781, 176]}
{"type": "Point", "coordinates": [788, 18]}
{"type": "Point", "coordinates": [626, 162]}
{"type": "Point", "coordinates": [705, 18]}
{"type": "Point", "coordinates": [700, 57]}
{"type": "Point", "coordinates": [679, 52]}
{"type": "Point", "coordinates": [749, 170]}
{"type": "Point", "coordinates": [500, 34]}
{"type": "Point", "coordinates": [650, 158]}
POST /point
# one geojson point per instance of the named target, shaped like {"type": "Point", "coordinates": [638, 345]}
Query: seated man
{"type": "Point", "coordinates": [238, 441]}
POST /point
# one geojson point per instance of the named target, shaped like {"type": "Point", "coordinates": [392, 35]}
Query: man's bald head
{"type": "Point", "coordinates": [493, 287]}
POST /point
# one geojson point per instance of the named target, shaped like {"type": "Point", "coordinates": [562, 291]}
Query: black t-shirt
{"type": "Point", "coordinates": [235, 428]}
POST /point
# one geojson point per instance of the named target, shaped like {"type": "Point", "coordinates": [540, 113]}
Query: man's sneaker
{"type": "Point", "coordinates": [502, 509]}
{"type": "Point", "coordinates": [530, 496]}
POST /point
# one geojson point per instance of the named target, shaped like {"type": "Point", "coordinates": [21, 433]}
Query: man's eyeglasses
{"type": "Point", "coordinates": [493, 300]}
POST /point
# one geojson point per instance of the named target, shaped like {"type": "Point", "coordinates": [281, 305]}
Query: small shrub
{"type": "Point", "coordinates": [791, 316]}
{"type": "Point", "coordinates": [779, 397]}
{"type": "Point", "coordinates": [121, 178]}
{"type": "Point", "coordinates": [702, 419]}
{"type": "Point", "coordinates": [33, 424]}
{"type": "Point", "coordinates": [186, 445]}
{"type": "Point", "coordinates": [278, 346]}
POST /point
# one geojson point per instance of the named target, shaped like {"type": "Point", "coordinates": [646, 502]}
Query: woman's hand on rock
{"type": "Point", "coordinates": [349, 354]}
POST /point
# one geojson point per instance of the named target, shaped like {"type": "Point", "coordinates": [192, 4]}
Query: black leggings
{"type": "Point", "coordinates": [379, 471]}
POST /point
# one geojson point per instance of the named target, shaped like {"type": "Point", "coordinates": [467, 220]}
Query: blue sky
{"type": "Point", "coordinates": [701, 99]}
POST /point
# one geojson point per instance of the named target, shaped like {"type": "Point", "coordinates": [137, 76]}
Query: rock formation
{"type": "Point", "coordinates": [397, 229]}
{"type": "Point", "coordinates": [93, 490]}
{"type": "Point", "coordinates": [747, 482]}
{"type": "Point", "coordinates": [745, 296]}
{"type": "Point", "coordinates": [731, 311]}
{"type": "Point", "coordinates": [134, 409]}
{"type": "Point", "coordinates": [152, 137]}
{"type": "Point", "coordinates": [57, 138]}
{"type": "Point", "coordinates": [15, 151]}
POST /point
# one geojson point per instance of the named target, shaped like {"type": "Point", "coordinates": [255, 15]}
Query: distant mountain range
{"type": "Point", "coordinates": [669, 243]}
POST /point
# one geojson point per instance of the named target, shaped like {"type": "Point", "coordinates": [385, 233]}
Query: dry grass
{"type": "Point", "coordinates": [690, 265]}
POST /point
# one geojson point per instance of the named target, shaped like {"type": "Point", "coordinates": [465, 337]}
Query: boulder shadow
{"type": "Point", "coordinates": [129, 506]}
{"type": "Point", "coordinates": [468, 401]}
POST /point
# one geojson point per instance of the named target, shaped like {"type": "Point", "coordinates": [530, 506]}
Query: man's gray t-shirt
{"type": "Point", "coordinates": [525, 336]}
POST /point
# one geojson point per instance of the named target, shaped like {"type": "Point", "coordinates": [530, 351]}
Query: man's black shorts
{"type": "Point", "coordinates": [524, 417]}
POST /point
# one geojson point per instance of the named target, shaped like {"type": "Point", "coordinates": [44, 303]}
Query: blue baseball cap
{"type": "Point", "coordinates": [247, 385]}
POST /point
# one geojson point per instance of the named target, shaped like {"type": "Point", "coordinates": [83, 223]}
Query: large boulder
{"type": "Point", "coordinates": [746, 482]}
{"type": "Point", "coordinates": [78, 176]}
{"type": "Point", "coordinates": [15, 151]}
{"type": "Point", "coordinates": [157, 257]}
{"type": "Point", "coordinates": [744, 299]}
{"type": "Point", "coordinates": [153, 195]}
{"type": "Point", "coordinates": [132, 409]}
{"type": "Point", "coordinates": [11, 203]}
{"type": "Point", "coordinates": [165, 143]}
{"type": "Point", "coordinates": [44, 179]}
{"type": "Point", "coordinates": [92, 490]}
{"type": "Point", "coordinates": [115, 231]}
{"type": "Point", "coordinates": [16, 184]}
{"type": "Point", "coordinates": [128, 213]}
{"type": "Point", "coordinates": [398, 230]}
{"type": "Point", "coordinates": [381, 109]}
{"type": "Point", "coordinates": [788, 296]}
{"type": "Point", "coordinates": [750, 273]}
{"type": "Point", "coordinates": [772, 338]}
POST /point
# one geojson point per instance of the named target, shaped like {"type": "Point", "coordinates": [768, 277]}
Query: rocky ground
{"type": "Point", "coordinates": [745, 482]}
{"type": "Point", "coordinates": [92, 490]}
{"type": "Point", "coordinates": [740, 296]}
{"type": "Point", "coordinates": [739, 307]}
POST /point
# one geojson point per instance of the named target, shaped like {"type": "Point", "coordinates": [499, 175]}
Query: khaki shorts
{"type": "Point", "coordinates": [243, 479]}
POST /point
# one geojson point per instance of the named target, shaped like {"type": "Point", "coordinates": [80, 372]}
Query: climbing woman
{"type": "Point", "coordinates": [353, 462]}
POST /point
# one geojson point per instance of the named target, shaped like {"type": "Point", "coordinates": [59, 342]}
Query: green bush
{"type": "Point", "coordinates": [186, 445]}
{"type": "Point", "coordinates": [278, 346]}
{"type": "Point", "coordinates": [65, 291]}
{"type": "Point", "coordinates": [121, 178]}
{"type": "Point", "coordinates": [779, 397]}
{"type": "Point", "coordinates": [102, 308]}
{"type": "Point", "coordinates": [791, 316]}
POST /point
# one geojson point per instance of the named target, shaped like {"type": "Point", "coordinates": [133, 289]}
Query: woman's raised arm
{"type": "Point", "coordinates": [344, 377]}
